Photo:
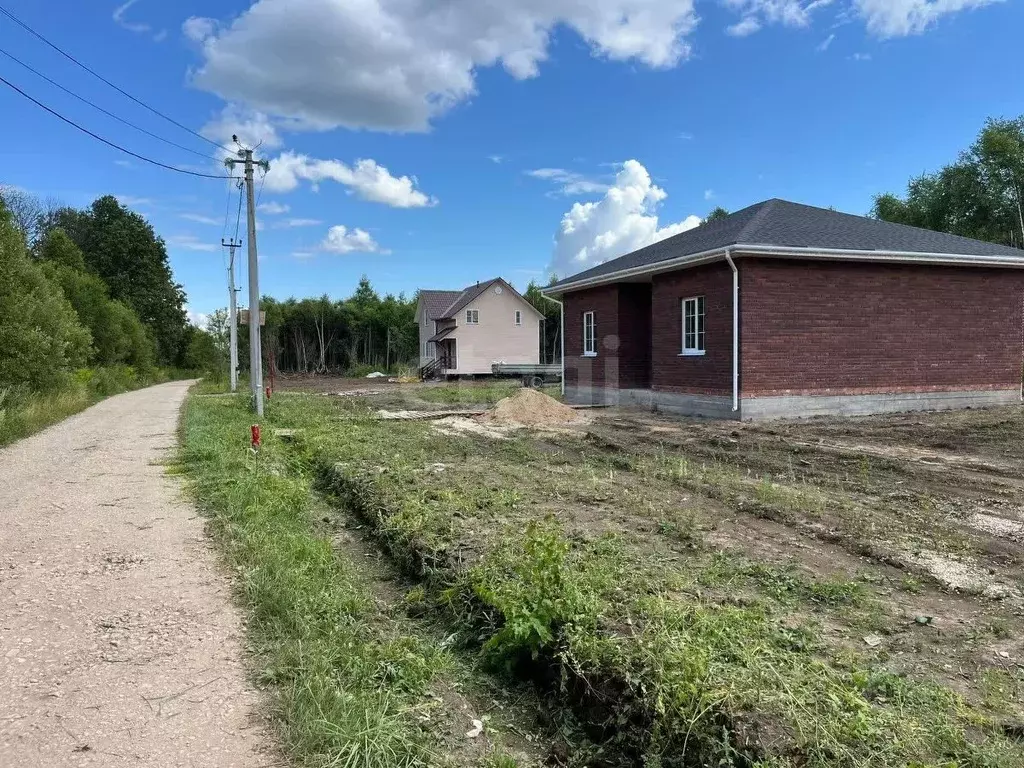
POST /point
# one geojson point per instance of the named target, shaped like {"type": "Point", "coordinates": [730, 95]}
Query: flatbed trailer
{"type": "Point", "coordinates": [531, 375]}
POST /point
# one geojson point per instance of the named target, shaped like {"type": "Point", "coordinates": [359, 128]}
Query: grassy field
{"type": "Point", "coordinates": [832, 593]}
{"type": "Point", "coordinates": [355, 682]}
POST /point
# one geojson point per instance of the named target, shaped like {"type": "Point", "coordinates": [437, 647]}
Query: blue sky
{"type": "Point", "coordinates": [430, 144]}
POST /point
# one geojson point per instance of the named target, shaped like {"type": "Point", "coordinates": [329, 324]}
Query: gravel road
{"type": "Point", "coordinates": [119, 644]}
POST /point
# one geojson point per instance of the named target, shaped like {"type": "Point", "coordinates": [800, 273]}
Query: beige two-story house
{"type": "Point", "coordinates": [463, 333]}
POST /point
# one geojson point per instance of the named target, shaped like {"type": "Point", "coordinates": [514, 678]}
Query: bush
{"type": "Point", "coordinates": [41, 340]}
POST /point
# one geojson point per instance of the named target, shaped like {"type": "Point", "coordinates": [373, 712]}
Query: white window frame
{"type": "Point", "coordinates": [589, 344]}
{"type": "Point", "coordinates": [695, 341]}
{"type": "Point", "coordinates": [472, 317]}
{"type": "Point", "coordinates": [519, 317]}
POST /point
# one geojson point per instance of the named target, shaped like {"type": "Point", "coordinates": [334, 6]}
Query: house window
{"type": "Point", "coordinates": [472, 317]}
{"type": "Point", "coordinates": [693, 326]}
{"type": "Point", "coordinates": [589, 335]}
{"type": "Point", "coordinates": [519, 317]}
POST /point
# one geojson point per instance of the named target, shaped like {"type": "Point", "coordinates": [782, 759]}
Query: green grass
{"type": "Point", "coordinates": [22, 415]}
{"type": "Point", "coordinates": [658, 670]}
{"type": "Point", "coordinates": [352, 685]}
{"type": "Point", "coordinates": [346, 692]}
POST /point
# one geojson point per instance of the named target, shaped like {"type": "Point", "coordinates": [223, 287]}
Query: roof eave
{"type": "Point", "coordinates": [833, 254]}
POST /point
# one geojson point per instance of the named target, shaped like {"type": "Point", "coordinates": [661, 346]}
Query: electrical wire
{"type": "Point", "coordinates": [259, 194]}
{"type": "Point", "coordinates": [227, 213]}
{"type": "Point", "coordinates": [238, 216]}
{"type": "Point", "coordinates": [107, 141]}
{"type": "Point", "coordinates": [68, 91]}
{"type": "Point", "coordinates": [97, 75]}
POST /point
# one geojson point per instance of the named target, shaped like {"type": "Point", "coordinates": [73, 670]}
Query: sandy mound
{"type": "Point", "coordinates": [530, 408]}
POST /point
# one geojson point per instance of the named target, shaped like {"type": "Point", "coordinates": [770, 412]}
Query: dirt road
{"type": "Point", "coordinates": [118, 642]}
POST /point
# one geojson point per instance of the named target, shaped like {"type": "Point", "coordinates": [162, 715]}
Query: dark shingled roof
{"type": "Point", "coordinates": [442, 334]}
{"type": "Point", "coordinates": [780, 223]}
{"type": "Point", "coordinates": [467, 296]}
{"type": "Point", "coordinates": [436, 302]}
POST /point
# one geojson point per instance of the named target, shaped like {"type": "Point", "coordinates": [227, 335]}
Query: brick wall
{"type": "Point", "coordinates": [812, 327]}
{"type": "Point", "coordinates": [712, 373]}
{"type": "Point", "coordinates": [592, 371]}
{"type": "Point", "coordinates": [635, 335]}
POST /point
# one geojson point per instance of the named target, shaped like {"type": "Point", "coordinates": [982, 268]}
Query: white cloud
{"type": "Point", "coordinates": [200, 218]}
{"type": "Point", "coordinates": [861, 57]}
{"type": "Point", "coordinates": [198, 29]}
{"type": "Point", "coordinates": [273, 208]}
{"type": "Point", "coordinates": [397, 64]}
{"type": "Point", "coordinates": [135, 26]}
{"type": "Point", "coordinates": [120, 20]}
{"type": "Point", "coordinates": [198, 319]}
{"type": "Point", "coordinates": [624, 220]}
{"type": "Point", "coordinates": [131, 200]}
{"type": "Point", "coordinates": [709, 194]}
{"type": "Point", "coordinates": [748, 26]}
{"type": "Point", "coordinates": [898, 18]}
{"type": "Point", "coordinates": [287, 223]}
{"type": "Point", "coordinates": [190, 243]}
{"type": "Point", "coordinates": [569, 182]}
{"type": "Point", "coordinates": [251, 128]}
{"type": "Point", "coordinates": [685, 136]}
{"type": "Point", "coordinates": [367, 179]}
{"type": "Point", "coordinates": [499, 159]}
{"type": "Point", "coordinates": [758, 13]}
{"type": "Point", "coordinates": [825, 44]}
{"type": "Point", "coordinates": [342, 240]}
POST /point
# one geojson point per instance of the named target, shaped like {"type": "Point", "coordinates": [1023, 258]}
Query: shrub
{"type": "Point", "coordinates": [41, 340]}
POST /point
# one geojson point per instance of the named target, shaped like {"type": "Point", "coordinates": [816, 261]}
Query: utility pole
{"type": "Point", "coordinates": [233, 311]}
{"type": "Point", "coordinates": [255, 350]}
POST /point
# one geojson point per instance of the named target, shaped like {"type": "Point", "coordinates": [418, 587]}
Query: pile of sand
{"type": "Point", "coordinates": [530, 408]}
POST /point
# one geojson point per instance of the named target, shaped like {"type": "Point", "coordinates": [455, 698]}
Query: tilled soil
{"type": "Point", "coordinates": [119, 644]}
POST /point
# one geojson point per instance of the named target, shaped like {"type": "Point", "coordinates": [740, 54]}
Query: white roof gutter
{"type": "Point", "coordinates": [821, 254]}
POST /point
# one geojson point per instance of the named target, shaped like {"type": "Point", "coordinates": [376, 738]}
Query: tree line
{"type": "Point", "coordinates": [84, 289]}
{"type": "Point", "coordinates": [980, 195]}
{"type": "Point", "coordinates": [362, 333]}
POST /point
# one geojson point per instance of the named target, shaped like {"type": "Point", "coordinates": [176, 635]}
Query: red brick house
{"type": "Point", "coordinates": [784, 310]}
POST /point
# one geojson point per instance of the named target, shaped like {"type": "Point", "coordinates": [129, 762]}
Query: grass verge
{"type": "Point", "coordinates": [350, 688]}
{"type": "Point", "coordinates": [23, 414]}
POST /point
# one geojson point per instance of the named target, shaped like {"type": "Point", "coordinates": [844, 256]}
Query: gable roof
{"type": "Point", "coordinates": [442, 305]}
{"type": "Point", "coordinates": [780, 224]}
{"type": "Point", "coordinates": [434, 303]}
{"type": "Point", "coordinates": [468, 295]}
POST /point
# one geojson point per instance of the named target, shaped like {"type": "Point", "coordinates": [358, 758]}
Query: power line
{"type": "Point", "coordinates": [106, 141]}
{"type": "Point", "coordinates": [97, 75]}
{"type": "Point", "coordinates": [238, 217]}
{"type": "Point", "coordinates": [227, 212]}
{"type": "Point", "coordinates": [101, 109]}
{"type": "Point", "coordinates": [263, 180]}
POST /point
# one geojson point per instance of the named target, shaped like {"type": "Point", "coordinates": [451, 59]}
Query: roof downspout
{"type": "Point", "coordinates": [735, 332]}
{"type": "Point", "coordinates": [561, 334]}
